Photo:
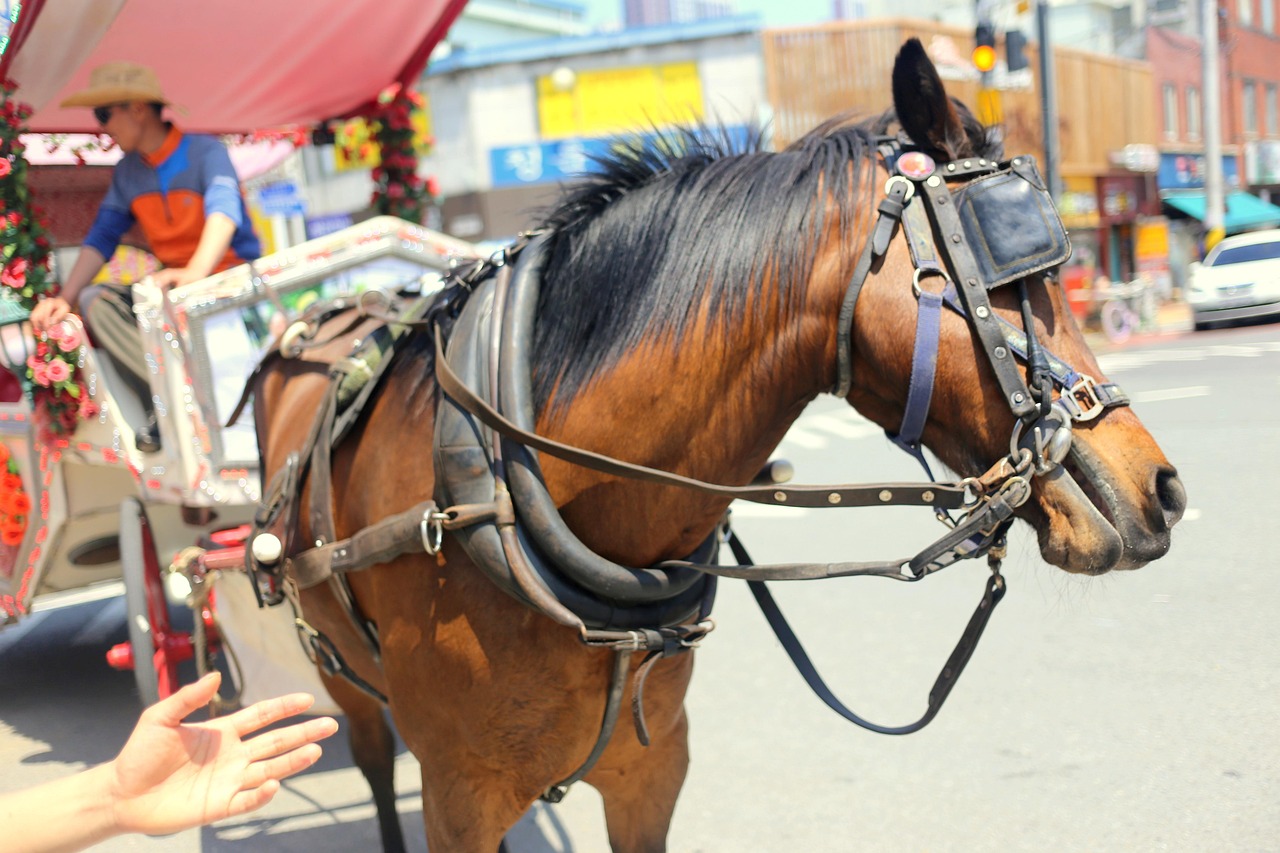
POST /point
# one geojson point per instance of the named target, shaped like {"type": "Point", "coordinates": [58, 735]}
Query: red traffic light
{"type": "Point", "coordinates": [984, 57]}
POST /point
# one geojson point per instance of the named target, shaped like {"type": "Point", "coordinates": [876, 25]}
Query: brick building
{"type": "Point", "coordinates": [1250, 81]}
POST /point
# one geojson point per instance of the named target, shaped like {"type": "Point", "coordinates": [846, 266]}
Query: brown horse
{"type": "Point", "coordinates": [688, 313]}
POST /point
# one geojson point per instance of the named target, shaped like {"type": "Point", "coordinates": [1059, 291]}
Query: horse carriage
{"type": "Point", "coordinates": [108, 518]}
{"type": "Point", "coordinates": [512, 531]}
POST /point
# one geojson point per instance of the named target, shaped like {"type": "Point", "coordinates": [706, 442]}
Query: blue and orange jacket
{"type": "Point", "coordinates": [169, 192]}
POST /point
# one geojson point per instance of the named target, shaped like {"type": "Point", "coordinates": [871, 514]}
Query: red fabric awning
{"type": "Point", "coordinates": [229, 66]}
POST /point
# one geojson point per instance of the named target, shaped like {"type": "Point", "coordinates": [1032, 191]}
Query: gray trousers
{"type": "Point", "coordinates": [108, 312]}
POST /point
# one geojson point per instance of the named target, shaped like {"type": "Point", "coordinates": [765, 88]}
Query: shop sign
{"type": "Point", "coordinates": [320, 226]}
{"type": "Point", "coordinates": [1118, 198]}
{"type": "Point", "coordinates": [550, 161]}
{"type": "Point", "coordinates": [1136, 157]}
{"type": "Point", "coordinates": [1186, 171]}
{"type": "Point", "coordinates": [1078, 203]}
{"type": "Point", "coordinates": [281, 199]}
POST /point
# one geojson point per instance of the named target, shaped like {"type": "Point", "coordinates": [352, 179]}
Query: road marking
{"type": "Point", "coordinates": [1134, 359]}
{"type": "Point", "coordinates": [1170, 394]}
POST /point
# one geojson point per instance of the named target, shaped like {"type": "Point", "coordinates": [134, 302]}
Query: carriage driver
{"type": "Point", "coordinates": [179, 188]}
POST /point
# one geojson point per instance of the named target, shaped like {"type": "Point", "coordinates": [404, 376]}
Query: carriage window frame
{"type": "Point", "coordinates": [241, 290]}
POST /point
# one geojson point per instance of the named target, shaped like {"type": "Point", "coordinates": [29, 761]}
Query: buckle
{"type": "Point", "coordinates": [1082, 400]}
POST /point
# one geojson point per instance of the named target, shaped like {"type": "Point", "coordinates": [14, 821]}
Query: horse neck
{"type": "Point", "coordinates": [713, 407]}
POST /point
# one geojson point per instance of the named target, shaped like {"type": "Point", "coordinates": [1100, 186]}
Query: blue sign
{"type": "Point", "coordinates": [1186, 171]}
{"type": "Point", "coordinates": [281, 199]}
{"type": "Point", "coordinates": [549, 162]}
{"type": "Point", "coordinates": [319, 226]}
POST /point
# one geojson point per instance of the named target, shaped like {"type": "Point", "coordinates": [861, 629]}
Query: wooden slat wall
{"type": "Point", "coordinates": [813, 73]}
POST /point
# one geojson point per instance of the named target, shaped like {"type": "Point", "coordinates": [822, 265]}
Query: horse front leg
{"type": "Point", "coordinates": [640, 784]}
{"type": "Point", "coordinates": [373, 748]}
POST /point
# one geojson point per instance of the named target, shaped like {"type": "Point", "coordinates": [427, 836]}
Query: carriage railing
{"type": "Point", "coordinates": [201, 341]}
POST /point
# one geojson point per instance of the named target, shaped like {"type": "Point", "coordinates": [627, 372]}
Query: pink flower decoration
{"type": "Point", "coordinates": [39, 372]}
{"type": "Point", "coordinates": [69, 339]}
{"type": "Point", "coordinates": [54, 333]}
{"type": "Point", "coordinates": [5, 166]}
{"type": "Point", "coordinates": [58, 371]}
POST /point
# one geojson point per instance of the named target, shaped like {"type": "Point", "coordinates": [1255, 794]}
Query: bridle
{"type": "Point", "coordinates": [496, 504]}
{"type": "Point", "coordinates": [970, 249]}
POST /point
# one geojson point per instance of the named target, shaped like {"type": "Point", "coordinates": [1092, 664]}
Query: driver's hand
{"type": "Point", "coordinates": [171, 277]}
{"type": "Point", "coordinates": [49, 312]}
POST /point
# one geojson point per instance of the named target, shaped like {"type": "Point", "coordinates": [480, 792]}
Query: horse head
{"type": "Point", "coordinates": [1114, 499]}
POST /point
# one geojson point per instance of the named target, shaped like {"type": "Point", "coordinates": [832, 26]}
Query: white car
{"type": "Point", "coordinates": [1239, 280]}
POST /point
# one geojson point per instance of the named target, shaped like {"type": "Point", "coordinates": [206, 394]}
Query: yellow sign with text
{"type": "Point", "coordinates": [618, 100]}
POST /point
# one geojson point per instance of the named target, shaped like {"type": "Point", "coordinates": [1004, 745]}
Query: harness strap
{"type": "Point", "coordinates": [973, 293]}
{"type": "Point", "coordinates": [950, 495]}
{"type": "Point", "coordinates": [946, 680]}
{"type": "Point", "coordinates": [967, 539]}
{"type": "Point", "coordinates": [924, 357]}
{"type": "Point", "coordinates": [890, 208]}
{"type": "Point", "coordinates": [612, 707]}
{"type": "Point", "coordinates": [403, 533]}
{"type": "Point", "coordinates": [1084, 397]}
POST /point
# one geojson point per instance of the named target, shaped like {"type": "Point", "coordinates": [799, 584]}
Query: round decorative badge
{"type": "Point", "coordinates": [915, 165]}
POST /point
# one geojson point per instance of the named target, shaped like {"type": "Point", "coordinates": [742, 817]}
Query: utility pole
{"type": "Point", "coordinates": [1049, 101]}
{"type": "Point", "coordinates": [1211, 85]}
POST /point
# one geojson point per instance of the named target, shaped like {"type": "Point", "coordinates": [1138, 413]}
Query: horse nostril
{"type": "Point", "coordinates": [1171, 495]}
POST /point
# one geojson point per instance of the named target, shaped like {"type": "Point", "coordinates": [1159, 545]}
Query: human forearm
{"type": "Point", "coordinates": [63, 815]}
{"type": "Point", "coordinates": [87, 264]}
{"type": "Point", "coordinates": [215, 239]}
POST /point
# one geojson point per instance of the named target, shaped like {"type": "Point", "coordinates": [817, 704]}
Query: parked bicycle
{"type": "Point", "coordinates": [1124, 308]}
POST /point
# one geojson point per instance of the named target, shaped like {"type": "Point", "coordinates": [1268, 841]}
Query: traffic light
{"type": "Point", "coordinates": [1015, 50]}
{"type": "Point", "coordinates": [984, 47]}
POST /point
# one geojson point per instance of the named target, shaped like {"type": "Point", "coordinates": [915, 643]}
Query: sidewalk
{"type": "Point", "coordinates": [1172, 318]}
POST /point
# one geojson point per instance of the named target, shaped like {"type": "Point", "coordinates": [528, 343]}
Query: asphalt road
{"type": "Point", "coordinates": [1131, 712]}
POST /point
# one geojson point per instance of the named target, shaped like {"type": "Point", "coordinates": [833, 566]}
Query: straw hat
{"type": "Point", "coordinates": [116, 83]}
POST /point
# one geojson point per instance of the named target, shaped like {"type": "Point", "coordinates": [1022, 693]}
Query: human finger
{"type": "Point", "coordinates": [268, 711]}
{"type": "Point", "coordinates": [253, 798]}
{"type": "Point", "coordinates": [282, 766]}
{"type": "Point", "coordinates": [281, 741]}
{"type": "Point", "coordinates": [174, 709]}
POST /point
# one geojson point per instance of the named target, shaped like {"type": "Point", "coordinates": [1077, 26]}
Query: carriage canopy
{"type": "Point", "coordinates": [230, 66]}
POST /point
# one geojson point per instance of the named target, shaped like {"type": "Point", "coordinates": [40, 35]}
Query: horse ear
{"type": "Point", "coordinates": [924, 110]}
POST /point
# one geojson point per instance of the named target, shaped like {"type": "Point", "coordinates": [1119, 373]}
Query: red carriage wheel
{"type": "Point", "coordinates": [157, 648]}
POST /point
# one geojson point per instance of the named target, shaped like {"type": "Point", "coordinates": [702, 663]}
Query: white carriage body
{"type": "Point", "coordinates": [201, 342]}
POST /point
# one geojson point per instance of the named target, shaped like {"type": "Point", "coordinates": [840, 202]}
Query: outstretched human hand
{"type": "Point", "coordinates": [172, 776]}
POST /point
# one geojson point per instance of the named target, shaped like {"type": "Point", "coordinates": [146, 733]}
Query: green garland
{"type": "Point", "coordinates": [24, 274]}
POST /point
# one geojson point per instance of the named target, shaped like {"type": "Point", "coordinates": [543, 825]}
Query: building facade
{"type": "Point", "coordinates": [513, 122]}
{"type": "Point", "coordinates": [648, 13]}
{"type": "Point", "coordinates": [1248, 83]}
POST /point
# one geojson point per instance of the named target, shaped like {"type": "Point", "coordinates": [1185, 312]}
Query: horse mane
{"type": "Point", "coordinates": [688, 223]}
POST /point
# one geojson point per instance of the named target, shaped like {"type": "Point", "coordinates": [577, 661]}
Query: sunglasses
{"type": "Point", "coordinates": [103, 114]}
